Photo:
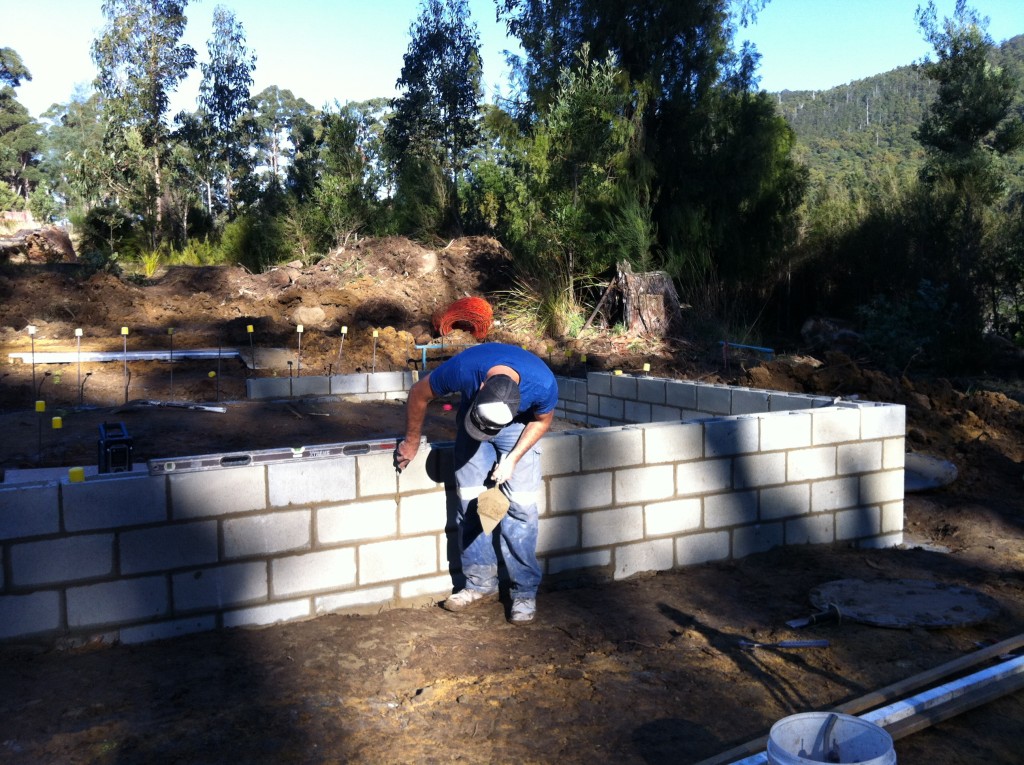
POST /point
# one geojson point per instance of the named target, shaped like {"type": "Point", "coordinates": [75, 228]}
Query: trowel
{"type": "Point", "coordinates": [491, 506]}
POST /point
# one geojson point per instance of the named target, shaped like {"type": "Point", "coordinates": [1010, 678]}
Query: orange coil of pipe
{"type": "Point", "coordinates": [473, 312]}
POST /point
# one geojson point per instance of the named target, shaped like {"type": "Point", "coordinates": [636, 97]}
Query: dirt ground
{"type": "Point", "coordinates": [647, 670]}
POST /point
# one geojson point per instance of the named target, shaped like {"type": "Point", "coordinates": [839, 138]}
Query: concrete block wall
{"type": "Point", "coordinates": [704, 473]}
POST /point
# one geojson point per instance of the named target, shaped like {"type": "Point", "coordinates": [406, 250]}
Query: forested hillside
{"type": "Point", "coordinates": [873, 119]}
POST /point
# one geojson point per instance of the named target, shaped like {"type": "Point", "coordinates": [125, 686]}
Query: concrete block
{"type": "Point", "coordinates": [382, 382]}
{"type": "Point", "coordinates": [126, 600]}
{"type": "Point", "coordinates": [785, 501]}
{"type": "Point", "coordinates": [599, 383]}
{"type": "Point", "coordinates": [730, 436]}
{"type": "Point", "coordinates": [416, 477]}
{"type": "Point", "coordinates": [593, 403]}
{"type": "Point", "coordinates": [168, 547]}
{"type": "Point", "coordinates": [624, 387]}
{"type": "Point", "coordinates": [835, 494]}
{"type": "Point", "coordinates": [883, 421]}
{"type": "Point", "coordinates": [580, 492]}
{"type": "Point", "coordinates": [375, 473]}
{"type": "Point", "coordinates": [882, 487]}
{"type": "Point", "coordinates": [674, 517]}
{"type": "Point", "coordinates": [596, 559]}
{"type": "Point", "coordinates": [892, 517]}
{"type": "Point", "coordinates": [558, 533]}
{"type": "Point", "coordinates": [147, 633]}
{"type": "Point", "coordinates": [560, 454]}
{"type": "Point", "coordinates": [692, 549]}
{"type": "Point", "coordinates": [219, 587]}
{"type": "Point", "coordinates": [759, 470]}
{"type": "Point", "coordinates": [816, 529]}
{"type": "Point", "coordinates": [398, 396]}
{"type": "Point", "coordinates": [665, 413]}
{"type": "Point", "coordinates": [312, 481]}
{"type": "Point", "coordinates": [788, 430]}
{"type": "Point", "coordinates": [309, 385]}
{"type": "Point", "coordinates": [440, 585]}
{"type": "Point", "coordinates": [835, 425]}
{"type": "Point", "coordinates": [894, 453]}
{"type": "Point", "coordinates": [28, 510]}
{"type": "Point", "coordinates": [733, 509]}
{"type": "Point", "coordinates": [422, 513]}
{"type": "Point", "coordinates": [347, 385]}
{"type": "Point", "coordinates": [637, 411]}
{"type": "Point", "coordinates": [612, 448]}
{"type": "Point", "coordinates": [110, 502]}
{"type": "Point", "coordinates": [704, 476]}
{"type": "Point", "coordinates": [881, 542]}
{"type": "Point", "coordinates": [650, 390]}
{"type": "Point", "coordinates": [714, 399]}
{"type": "Point", "coordinates": [861, 457]}
{"type": "Point", "coordinates": [267, 534]}
{"type": "Point", "coordinates": [609, 527]}
{"type": "Point", "coordinates": [681, 395]}
{"type": "Point", "coordinates": [656, 555]}
{"type": "Point", "coordinates": [672, 442]}
{"type": "Point", "coordinates": [811, 464]}
{"type": "Point", "coordinates": [788, 402]}
{"type": "Point", "coordinates": [858, 522]}
{"type": "Point", "coordinates": [599, 422]}
{"type": "Point", "coordinates": [66, 559]}
{"type": "Point", "coordinates": [644, 484]}
{"type": "Point", "coordinates": [397, 559]}
{"type": "Point", "coordinates": [266, 387]}
{"type": "Point", "coordinates": [23, 615]}
{"type": "Point", "coordinates": [273, 613]}
{"type": "Point", "coordinates": [571, 390]}
{"type": "Point", "coordinates": [754, 539]}
{"type": "Point", "coordinates": [613, 409]}
{"type": "Point", "coordinates": [313, 572]}
{"type": "Point", "coordinates": [341, 601]}
{"type": "Point", "coordinates": [749, 401]}
{"type": "Point", "coordinates": [218, 492]}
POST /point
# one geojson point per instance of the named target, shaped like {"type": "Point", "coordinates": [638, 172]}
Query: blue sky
{"type": "Point", "coordinates": [351, 50]}
{"type": "Point", "coordinates": [818, 44]}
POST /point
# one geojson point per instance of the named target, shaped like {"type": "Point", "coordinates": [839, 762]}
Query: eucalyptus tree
{"type": "Point", "coordinates": [712, 180]}
{"type": "Point", "coordinates": [436, 118]}
{"type": "Point", "coordinates": [224, 101]}
{"type": "Point", "coordinates": [20, 135]}
{"type": "Point", "coordinates": [273, 114]}
{"type": "Point", "coordinates": [77, 168]}
{"type": "Point", "coordinates": [969, 126]}
{"type": "Point", "coordinates": [140, 61]}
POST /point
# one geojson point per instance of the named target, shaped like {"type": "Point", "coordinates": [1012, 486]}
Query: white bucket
{"type": "Point", "coordinates": [816, 737]}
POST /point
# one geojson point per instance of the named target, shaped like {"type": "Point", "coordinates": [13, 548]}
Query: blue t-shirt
{"type": "Point", "coordinates": [466, 372]}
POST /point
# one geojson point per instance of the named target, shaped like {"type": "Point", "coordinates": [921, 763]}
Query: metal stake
{"type": "Point", "coordinates": [78, 342]}
{"type": "Point", "coordinates": [373, 368]}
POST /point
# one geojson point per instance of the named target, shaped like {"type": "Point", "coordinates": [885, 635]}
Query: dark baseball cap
{"type": "Point", "coordinates": [493, 407]}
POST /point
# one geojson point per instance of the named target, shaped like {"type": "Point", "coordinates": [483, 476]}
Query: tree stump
{"type": "Point", "coordinates": [650, 302]}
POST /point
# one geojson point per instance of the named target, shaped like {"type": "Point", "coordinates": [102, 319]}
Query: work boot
{"type": "Point", "coordinates": [524, 610]}
{"type": "Point", "coordinates": [467, 598]}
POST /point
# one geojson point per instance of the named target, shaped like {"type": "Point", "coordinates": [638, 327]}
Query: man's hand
{"type": "Point", "coordinates": [404, 454]}
{"type": "Point", "coordinates": [503, 470]}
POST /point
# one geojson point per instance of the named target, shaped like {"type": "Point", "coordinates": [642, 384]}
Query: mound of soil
{"type": "Point", "coordinates": [647, 670]}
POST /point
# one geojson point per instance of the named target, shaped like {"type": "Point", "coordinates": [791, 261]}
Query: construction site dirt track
{"type": "Point", "coordinates": [646, 670]}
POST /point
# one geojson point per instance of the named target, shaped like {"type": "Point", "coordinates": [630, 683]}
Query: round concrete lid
{"type": "Point", "coordinates": [905, 603]}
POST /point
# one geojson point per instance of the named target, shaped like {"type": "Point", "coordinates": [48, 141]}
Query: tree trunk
{"type": "Point", "coordinates": [650, 302]}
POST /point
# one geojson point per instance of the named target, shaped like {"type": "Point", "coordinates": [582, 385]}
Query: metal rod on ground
{"type": "Point", "coordinates": [252, 347]}
{"type": "Point", "coordinates": [124, 336]}
{"type": "Point", "coordinates": [78, 343]}
{"type": "Point", "coordinates": [886, 694]}
{"type": "Point", "coordinates": [341, 349]}
{"type": "Point", "coordinates": [32, 336]}
{"type": "Point", "coordinates": [40, 409]}
{"type": "Point", "coordinates": [170, 333]}
{"type": "Point", "coordinates": [298, 329]}
{"type": "Point", "coordinates": [373, 367]}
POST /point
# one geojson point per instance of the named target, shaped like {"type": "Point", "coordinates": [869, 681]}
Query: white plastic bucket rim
{"type": "Point", "coordinates": [801, 740]}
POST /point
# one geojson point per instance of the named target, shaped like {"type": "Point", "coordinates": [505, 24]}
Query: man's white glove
{"type": "Point", "coordinates": [503, 470]}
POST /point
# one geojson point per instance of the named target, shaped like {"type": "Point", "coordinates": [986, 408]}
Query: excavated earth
{"type": "Point", "coordinates": [647, 670]}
